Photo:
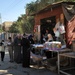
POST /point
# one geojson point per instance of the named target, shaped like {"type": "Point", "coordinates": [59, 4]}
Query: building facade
{"type": "Point", "coordinates": [6, 25]}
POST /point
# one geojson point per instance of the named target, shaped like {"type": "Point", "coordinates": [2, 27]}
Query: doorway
{"type": "Point", "coordinates": [47, 24]}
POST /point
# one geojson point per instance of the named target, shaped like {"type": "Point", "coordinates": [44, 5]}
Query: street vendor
{"type": "Point", "coordinates": [57, 33]}
{"type": "Point", "coordinates": [50, 39]}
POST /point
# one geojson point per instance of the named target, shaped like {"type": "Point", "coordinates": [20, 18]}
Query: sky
{"type": "Point", "coordinates": [10, 10]}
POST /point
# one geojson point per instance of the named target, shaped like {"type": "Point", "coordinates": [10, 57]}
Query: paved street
{"type": "Point", "coordinates": [7, 68]}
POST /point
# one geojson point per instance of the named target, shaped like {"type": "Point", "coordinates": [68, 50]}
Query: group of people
{"type": "Point", "coordinates": [19, 49]}
{"type": "Point", "coordinates": [47, 37]}
{"type": "Point", "coordinates": [54, 34]}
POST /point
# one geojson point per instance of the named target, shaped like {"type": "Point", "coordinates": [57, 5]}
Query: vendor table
{"type": "Point", "coordinates": [38, 47]}
{"type": "Point", "coordinates": [69, 55]}
{"type": "Point", "coordinates": [61, 51]}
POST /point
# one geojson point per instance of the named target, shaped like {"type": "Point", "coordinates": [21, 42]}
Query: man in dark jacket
{"type": "Point", "coordinates": [26, 51]}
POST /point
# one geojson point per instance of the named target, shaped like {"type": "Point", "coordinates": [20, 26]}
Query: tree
{"type": "Point", "coordinates": [14, 28]}
{"type": "Point", "coordinates": [30, 8]}
{"type": "Point", "coordinates": [34, 7]}
{"type": "Point", "coordinates": [28, 24]}
{"type": "Point", "coordinates": [23, 24]}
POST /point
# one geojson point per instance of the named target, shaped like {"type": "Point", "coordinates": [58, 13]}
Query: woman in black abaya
{"type": "Point", "coordinates": [26, 52]}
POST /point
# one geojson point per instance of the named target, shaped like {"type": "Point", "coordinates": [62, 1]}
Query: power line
{"type": "Point", "coordinates": [14, 5]}
{"type": "Point", "coordinates": [11, 6]}
{"type": "Point", "coordinates": [11, 3]}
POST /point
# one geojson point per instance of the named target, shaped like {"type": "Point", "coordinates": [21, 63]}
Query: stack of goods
{"type": "Point", "coordinates": [37, 45]}
{"type": "Point", "coordinates": [56, 45]}
{"type": "Point", "coordinates": [47, 45]}
{"type": "Point", "coordinates": [53, 45]}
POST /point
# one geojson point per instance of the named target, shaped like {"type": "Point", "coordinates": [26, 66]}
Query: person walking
{"type": "Point", "coordinates": [2, 50]}
{"type": "Point", "coordinates": [10, 49]}
{"type": "Point", "coordinates": [26, 52]}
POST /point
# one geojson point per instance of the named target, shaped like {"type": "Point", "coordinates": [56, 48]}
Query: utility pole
{"type": "Point", "coordinates": [0, 21]}
{"type": "Point", "coordinates": [0, 27]}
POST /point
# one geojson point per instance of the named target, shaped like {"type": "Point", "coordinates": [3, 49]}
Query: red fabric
{"type": "Point", "coordinates": [71, 30]}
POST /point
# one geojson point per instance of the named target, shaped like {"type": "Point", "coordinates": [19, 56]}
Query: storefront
{"type": "Point", "coordinates": [55, 13]}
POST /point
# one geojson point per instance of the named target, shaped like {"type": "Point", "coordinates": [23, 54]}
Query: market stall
{"type": "Point", "coordinates": [53, 47]}
{"type": "Point", "coordinates": [56, 47]}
